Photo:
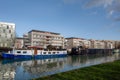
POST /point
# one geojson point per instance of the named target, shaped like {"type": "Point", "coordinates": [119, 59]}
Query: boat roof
{"type": "Point", "coordinates": [38, 47]}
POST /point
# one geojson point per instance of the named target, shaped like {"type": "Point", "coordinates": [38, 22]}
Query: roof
{"type": "Point", "coordinates": [75, 38]}
{"type": "Point", "coordinates": [19, 38]}
{"type": "Point", "coordinates": [7, 23]}
{"type": "Point", "coordinates": [43, 32]}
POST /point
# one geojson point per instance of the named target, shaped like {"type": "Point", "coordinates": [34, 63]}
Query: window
{"type": "Point", "coordinates": [7, 27]}
{"type": "Point", "coordinates": [3, 30]}
{"type": "Point", "coordinates": [34, 36]}
{"type": "Point", "coordinates": [9, 31]}
{"type": "Point", "coordinates": [18, 51]}
{"type": "Point", "coordinates": [53, 52]}
{"type": "Point", "coordinates": [49, 52]}
{"type": "Point", "coordinates": [24, 52]}
{"type": "Point", "coordinates": [44, 52]}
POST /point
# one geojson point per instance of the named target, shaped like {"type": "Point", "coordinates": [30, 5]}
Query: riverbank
{"type": "Point", "coordinates": [106, 71]}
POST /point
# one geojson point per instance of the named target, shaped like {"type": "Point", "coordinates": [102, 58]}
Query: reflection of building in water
{"type": "Point", "coordinates": [45, 65]}
{"type": "Point", "coordinates": [27, 70]}
{"type": "Point", "coordinates": [7, 72]}
{"type": "Point", "coordinates": [92, 59]}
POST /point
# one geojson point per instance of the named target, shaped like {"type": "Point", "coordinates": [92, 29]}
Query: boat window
{"type": "Point", "coordinates": [40, 52]}
{"type": "Point", "coordinates": [24, 52]}
{"type": "Point", "coordinates": [53, 52]}
{"type": "Point", "coordinates": [58, 52]}
{"type": "Point", "coordinates": [64, 52]}
{"type": "Point", "coordinates": [49, 52]}
{"type": "Point", "coordinates": [44, 52]}
{"type": "Point", "coordinates": [18, 51]}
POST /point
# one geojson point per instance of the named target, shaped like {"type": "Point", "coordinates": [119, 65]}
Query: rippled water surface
{"type": "Point", "coordinates": [29, 69]}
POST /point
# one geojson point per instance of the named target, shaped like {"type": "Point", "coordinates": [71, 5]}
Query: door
{"type": "Point", "coordinates": [35, 51]}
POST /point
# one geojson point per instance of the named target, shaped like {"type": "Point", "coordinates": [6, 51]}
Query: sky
{"type": "Point", "coordinates": [89, 19]}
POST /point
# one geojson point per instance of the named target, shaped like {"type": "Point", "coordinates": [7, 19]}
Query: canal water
{"type": "Point", "coordinates": [29, 69]}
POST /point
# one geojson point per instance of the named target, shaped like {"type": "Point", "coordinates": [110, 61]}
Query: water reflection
{"type": "Point", "coordinates": [28, 69]}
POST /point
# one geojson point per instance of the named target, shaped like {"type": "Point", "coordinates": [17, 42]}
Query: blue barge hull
{"type": "Point", "coordinates": [12, 56]}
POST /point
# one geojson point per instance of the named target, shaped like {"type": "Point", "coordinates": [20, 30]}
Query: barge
{"type": "Point", "coordinates": [33, 53]}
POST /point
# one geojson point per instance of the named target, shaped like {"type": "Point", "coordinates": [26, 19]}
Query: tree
{"type": "Point", "coordinates": [50, 47]}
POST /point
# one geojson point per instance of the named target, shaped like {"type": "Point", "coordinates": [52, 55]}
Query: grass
{"type": "Point", "coordinates": [106, 71]}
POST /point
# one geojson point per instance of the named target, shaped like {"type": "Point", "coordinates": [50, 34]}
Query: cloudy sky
{"type": "Point", "coordinates": [90, 19]}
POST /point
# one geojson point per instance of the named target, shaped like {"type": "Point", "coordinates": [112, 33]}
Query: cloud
{"type": "Point", "coordinates": [116, 6]}
{"type": "Point", "coordinates": [111, 12]}
{"type": "Point", "coordinates": [114, 10]}
{"type": "Point", "coordinates": [96, 3]}
{"type": "Point", "coordinates": [117, 19]}
{"type": "Point", "coordinates": [112, 7]}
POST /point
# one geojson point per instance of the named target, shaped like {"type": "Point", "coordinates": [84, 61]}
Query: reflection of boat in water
{"type": "Point", "coordinates": [43, 66]}
{"type": "Point", "coordinates": [5, 61]}
{"type": "Point", "coordinates": [33, 53]}
{"type": "Point", "coordinates": [34, 68]}
{"type": "Point", "coordinates": [18, 69]}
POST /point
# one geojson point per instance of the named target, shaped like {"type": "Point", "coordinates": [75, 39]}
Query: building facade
{"type": "Point", "coordinates": [7, 34]}
{"type": "Point", "coordinates": [19, 43]}
{"type": "Point", "coordinates": [73, 42]}
{"type": "Point", "coordinates": [26, 40]}
{"type": "Point", "coordinates": [99, 44]}
{"type": "Point", "coordinates": [43, 39]}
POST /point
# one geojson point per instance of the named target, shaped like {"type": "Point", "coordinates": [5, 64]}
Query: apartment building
{"type": "Point", "coordinates": [117, 44]}
{"type": "Point", "coordinates": [73, 42]}
{"type": "Point", "coordinates": [86, 43]}
{"type": "Point", "coordinates": [70, 43]}
{"type": "Point", "coordinates": [99, 44]}
{"type": "Point", "coordinates": [43, 39]}
{"type": "Point", "coordinates": [7, 34]}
